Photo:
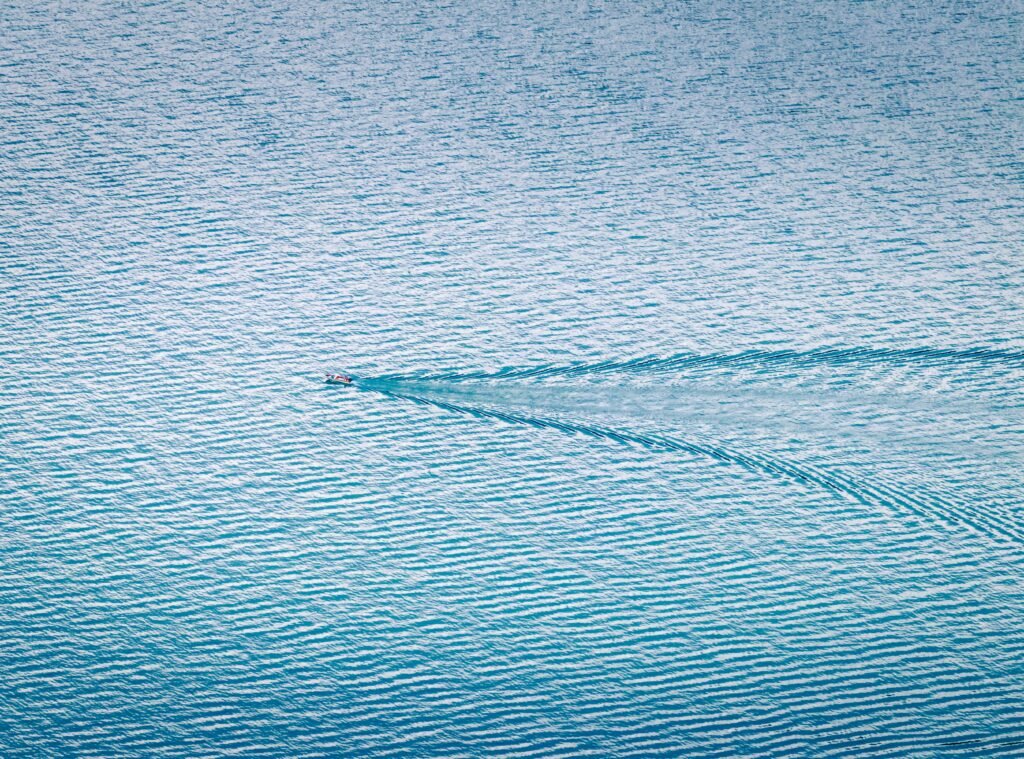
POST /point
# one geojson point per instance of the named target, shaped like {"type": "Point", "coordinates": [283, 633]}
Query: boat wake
{"type": "Point", "coordinates": [924, 356]}
{"type": "Point", "coordinates": [873, 494]}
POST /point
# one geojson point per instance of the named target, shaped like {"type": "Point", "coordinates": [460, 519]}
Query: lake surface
{"type": "Point", "coordinates": [688, 417]}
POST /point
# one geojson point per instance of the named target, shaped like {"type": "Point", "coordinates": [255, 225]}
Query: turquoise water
{"type": "Point", "coordinates": [688, 415]}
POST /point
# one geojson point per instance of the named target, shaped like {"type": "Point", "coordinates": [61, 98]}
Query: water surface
{"type": "Point", "coordinates": [688, 420]}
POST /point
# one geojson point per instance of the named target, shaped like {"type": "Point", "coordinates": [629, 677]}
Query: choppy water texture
{"type": "Point", "coordinates": [688, 414]}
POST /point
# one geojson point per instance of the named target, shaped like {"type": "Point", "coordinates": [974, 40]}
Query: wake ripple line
{"type": "Point", "coordinates": [816, 357]}
{"type": "Point", "coordinates": [868, 494]}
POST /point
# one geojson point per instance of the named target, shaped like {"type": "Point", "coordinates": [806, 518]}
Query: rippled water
{"type": "Point", "coordinates": [688, 415]}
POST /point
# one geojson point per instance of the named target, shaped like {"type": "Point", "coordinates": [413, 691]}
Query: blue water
{"type": "Point", "coordinates": [689, 412]}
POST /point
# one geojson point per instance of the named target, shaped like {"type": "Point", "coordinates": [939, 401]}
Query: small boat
{"type": "Point", "coordinates": [339, 379]}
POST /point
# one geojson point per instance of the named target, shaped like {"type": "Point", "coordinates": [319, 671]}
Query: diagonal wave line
{"type": "Point", "coordinates": [819, 356]}
{"type": "Point", "coordinates": [872, 494]}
